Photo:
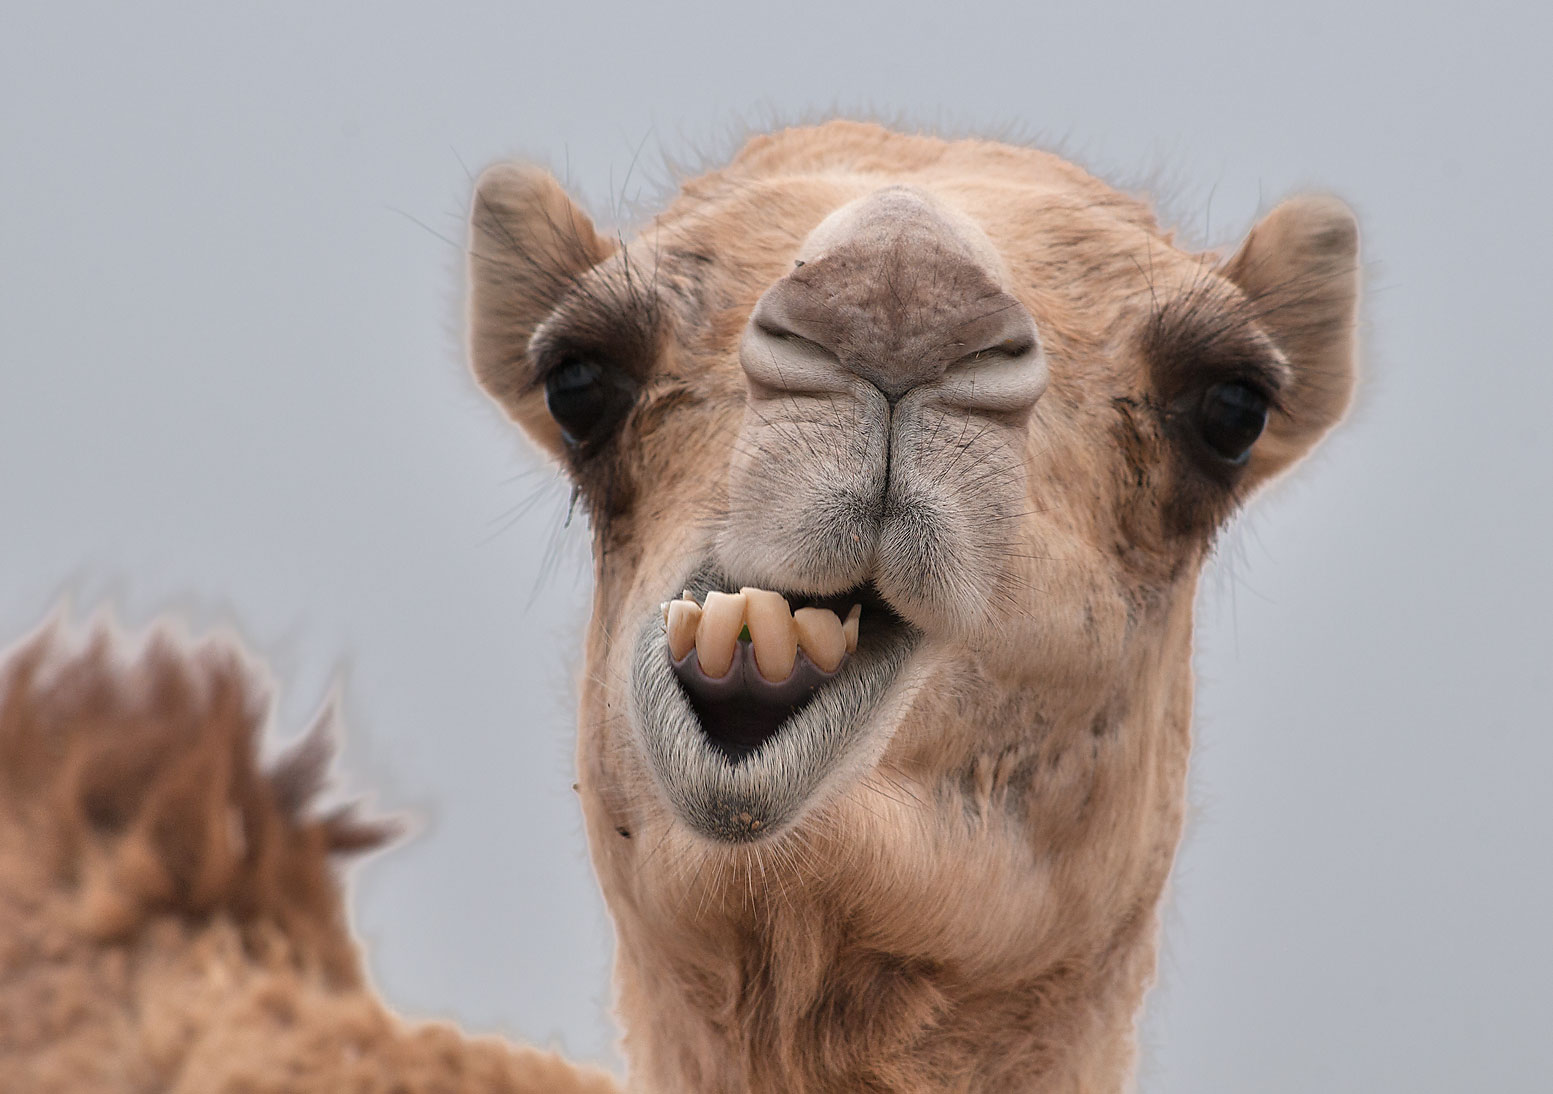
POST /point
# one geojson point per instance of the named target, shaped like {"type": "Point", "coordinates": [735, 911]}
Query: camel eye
{"type": "Point", "coordinates": [1231, 419]}
{"type": "Point", "coordinates": [587, 399]}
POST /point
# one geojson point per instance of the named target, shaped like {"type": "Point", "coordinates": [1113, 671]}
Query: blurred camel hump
{"type": "Point", "coordinates": [171, 918]}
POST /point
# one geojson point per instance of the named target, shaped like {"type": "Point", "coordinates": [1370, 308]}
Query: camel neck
{"type": "Point", "coordinates": [757, 1013]}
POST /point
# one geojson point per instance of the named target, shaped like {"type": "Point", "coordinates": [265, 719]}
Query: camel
{"type": "Point", "coordinates": [901, 458]}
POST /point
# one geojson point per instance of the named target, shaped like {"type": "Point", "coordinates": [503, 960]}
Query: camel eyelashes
{"type": "Point", "coordinates": [1230, 419]}
{"type": "Point", "coordinates": [588, 400]}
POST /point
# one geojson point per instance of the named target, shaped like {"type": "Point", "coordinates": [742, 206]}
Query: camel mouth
{"type": "Point", "coordinates": [788, 647]}
{"type": "Point", "coordinates": [748, 703]}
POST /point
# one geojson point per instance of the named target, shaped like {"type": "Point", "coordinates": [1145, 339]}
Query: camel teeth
{"type": "Point", "coordinates": [849, 628]}
{"type": "Point", "coordinates": [683, 618]}
{"type": "Point", "coordinates": [717, 638]}
{"type": "Point", "coordinates": [772, 633]}
{"type": "Point", "coordinates": [821, 636]}
{"type": "Point", "coordinates": [776, 632]}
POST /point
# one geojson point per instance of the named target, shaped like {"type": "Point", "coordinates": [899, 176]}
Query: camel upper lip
{"type": "Point", "coordinates": [739, 757]}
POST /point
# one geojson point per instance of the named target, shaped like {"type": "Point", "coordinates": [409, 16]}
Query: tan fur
{"type": "Point", "coordinates": [169, 915]}
{"type": "Point", "coordinates": [969, 901]}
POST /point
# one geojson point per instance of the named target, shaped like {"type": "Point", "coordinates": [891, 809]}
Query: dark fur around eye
{"type": "Point", "coordinates": [588, 399]}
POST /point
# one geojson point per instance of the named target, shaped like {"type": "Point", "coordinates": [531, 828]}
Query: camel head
{"type": "Point", "coordinates": [901, 458]}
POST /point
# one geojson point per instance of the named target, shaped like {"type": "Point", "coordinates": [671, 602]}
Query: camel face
{"type": "Point", "coordinates": [975, 421]}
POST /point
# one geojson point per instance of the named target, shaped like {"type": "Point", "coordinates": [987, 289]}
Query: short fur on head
{"type": "Point", "coordinates": [975, 381]}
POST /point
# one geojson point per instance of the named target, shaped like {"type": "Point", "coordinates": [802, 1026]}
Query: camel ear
{"type": "Point", "coordinates": [529, 243]}
{"type": "Point", "coordinates": [1299, 268]}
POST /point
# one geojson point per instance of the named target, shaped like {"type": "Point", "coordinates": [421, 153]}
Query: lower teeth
{"type": "Point", "coordinates": [762, 623]}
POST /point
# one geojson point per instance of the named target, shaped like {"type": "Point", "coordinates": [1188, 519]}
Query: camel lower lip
{"type": "Point", "coordinates": [739, 790]}
{"type": "Point", "coordinates": [741, 710]}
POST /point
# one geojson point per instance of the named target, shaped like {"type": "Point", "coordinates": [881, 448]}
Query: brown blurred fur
{"type": "Point", "coordinates": [170, 916]}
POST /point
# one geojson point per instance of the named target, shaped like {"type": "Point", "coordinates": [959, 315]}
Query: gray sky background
{"type": "Point", "coordinates": [231, 387]}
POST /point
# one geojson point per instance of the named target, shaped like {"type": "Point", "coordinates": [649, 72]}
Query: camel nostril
{"type": "Point", "coordinates": [1015, 345]}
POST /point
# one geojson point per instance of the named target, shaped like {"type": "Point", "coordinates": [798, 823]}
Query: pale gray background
{"type": "Point", "coordinates": [230, 385]}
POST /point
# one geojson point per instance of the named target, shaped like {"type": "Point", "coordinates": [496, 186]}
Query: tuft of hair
{"type": "Point", "coordinates": [131, 777]}
{"type": "Point", "coordinates": [169, 915]}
